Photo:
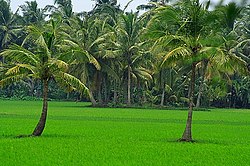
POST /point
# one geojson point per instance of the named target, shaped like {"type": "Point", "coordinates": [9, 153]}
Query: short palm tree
{"type": "Point", "coordinates": [42, 61]}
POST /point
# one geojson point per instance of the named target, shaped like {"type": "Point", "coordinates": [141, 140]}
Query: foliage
{"type": "Point", "coordinates": [107, 49]}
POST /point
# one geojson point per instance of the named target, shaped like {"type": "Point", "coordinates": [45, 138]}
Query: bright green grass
{"type": "Point", "coordinates": [79, 135]}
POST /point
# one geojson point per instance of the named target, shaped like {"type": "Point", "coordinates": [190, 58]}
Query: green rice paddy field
{"type": "Point", "coordinates": [80, 135]}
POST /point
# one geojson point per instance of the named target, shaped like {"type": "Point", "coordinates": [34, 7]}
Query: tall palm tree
{"type": "Point", "coordinates": [152, 4]}
{"type": "Point", "coordinates": [42, 61]}
{"type": "Point", "coordinates": [242, 29]}
{"type": "Point", "coordinates": [90, 37]}
{"type": "Point", "coordinates": [228, 15]}
{"type": "Point", "coordinates": [31, 13]}
{"type": "Point", "coordinates": [62, 9]}
{"type": "Point", "coordinates": [184, 31]}
{"type": "Point", "coordinates": [106, 10]}
{"type": "Point", "coordinates": [9, 29]}
{"type": "Point", "coordinates": [65, 7]}
{"type": "Point", "coordinates": [101, 4]}
{"type": "Point", "coordinates": [129, 47]}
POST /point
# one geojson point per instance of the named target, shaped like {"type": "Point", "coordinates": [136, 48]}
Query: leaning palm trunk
{"type": "Point", "coordinates": [41, 124]}
{"type": "Point", "coordinates": [187, 135]}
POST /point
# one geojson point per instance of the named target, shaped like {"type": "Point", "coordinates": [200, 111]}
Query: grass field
{"type": "Point", "coordinates": [80, 135]}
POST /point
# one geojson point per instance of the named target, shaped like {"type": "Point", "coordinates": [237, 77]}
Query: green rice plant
{"type": "Point", "coordinates": [80, 135]}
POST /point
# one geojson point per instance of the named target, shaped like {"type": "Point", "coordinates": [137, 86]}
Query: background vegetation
{"type": "Point", "coordinates": [123, 57]}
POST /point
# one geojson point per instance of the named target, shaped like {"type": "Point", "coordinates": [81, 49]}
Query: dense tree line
{"type": "Point", "coordinates": [173, 52]}
{"type": "Point", "coordinates": [180, 53]}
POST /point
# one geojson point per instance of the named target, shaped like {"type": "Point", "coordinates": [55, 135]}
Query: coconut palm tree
{"type": "Point", "coordinates": [65, 7]}
{"type": "Point", "coordinates": [152, 4]}
{"type": "Point", "coordinates": [228, 15]}
{"type": "Point", "coordinates": [242, 29]}
{"type": "Point", "coordinates": [91, 37]}
{"type": "Point", "coordinates": [31, 13]}
{"type": "Point", "coordinates": [40, 61]}
{"type": "Point", "coordinates": [61, 9]}
{"type": "Point", "coordinates": [9, 29]}
{"type": "Point", "coordinates": [102, 4]}
{"type": "Point", "coordinates": [184, 32]}
{"type": "Point", "coordinates": [129, 47]}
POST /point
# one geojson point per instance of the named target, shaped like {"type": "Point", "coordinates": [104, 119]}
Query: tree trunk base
{"type": "Point", "coordinates": [186, 140]}
{"type": "Point", "coordinates": [23, 136]}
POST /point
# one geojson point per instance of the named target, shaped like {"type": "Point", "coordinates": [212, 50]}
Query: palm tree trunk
{"type": "Point", "coordinates": [187, 134]}
{"type": "Point", "coordinates": [198, 102]}
{"type": "Point", "coordinates": [99, 83]}
{"type": "Point", "coordinates": [100, 102]}
{"type": "Point", "coordinates": [115, 93]}
{"type": "Point", "coordinates": [105, 90]}
{"type": "Point", "coordinates": [201, 87]}
{"type": "Point", "coordinates": [162, 97]}
{"type": "Point", "coordinates": [129, 87]}
{"type": "Point", "coordinates": [41, 124]}
{"type": "Point", "coordinates": [91, 97]}
{"type": "Point", "coordinates": [144, 96]}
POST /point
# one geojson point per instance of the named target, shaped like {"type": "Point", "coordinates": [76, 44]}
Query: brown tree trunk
{"type": "Point", "coordinates": [162, 97]}
{"type": "Point", "coordinates": [41, 124]}
{"type": "Point", "coordinates": [115, 93]}
{"type": "Point", "coordinates": [144, 96]}
{"type": "Point", "coordinates": [105, 90]}
{"type": "Point", "coordinates": [91, 97]}
{"type": "Point", "coordinates": [201, 87]}
{"type": "Point", "coordinates": [198, 102]}
{"type": "Point", "coordinates": [129, 87]}
{"type": "Point", "coordinates": [99, 84]}
{"type": "Point", "coordinates": [100, 95]}
{"type": "Point", "coordinates": [187, 134]}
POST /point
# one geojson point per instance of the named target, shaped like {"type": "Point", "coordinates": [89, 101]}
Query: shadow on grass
{"type": "Point", "coordinates": [15, 136]}
{"type": "Point", "coordinates": [26, 136]}
{"type": "Point", "coordinates": [200, 142]}
{"type": "Point", "coordinates": [175, 140]}
{"type": "Point", "coordinates": [76, 106]}
{"type": "Point", "coordinates": [62, 136]}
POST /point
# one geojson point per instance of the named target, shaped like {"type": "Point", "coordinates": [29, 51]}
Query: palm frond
{"type": "Point", "coordinates": [16, 53]}
{"type": "Point", "coordinates": [72, 82]}
{"type": "Point", "coordinates": [111, 53]}
{"type": "Point", "coordinates": [101, 39]}
{"type": "Point", "coordinates": [177, 54]}
{"type": "Point", "coordinates": [110, 71]}
{"type": "Point", "coordinates": [70, 43]}
{"type": "Point", "coordinates": [90, 58]}
{"type": "Point", "coordinates": [10, 79]}
{"type": "Point", "coordinates": [63, 66]}
{"type": "Point", "coordinates": [143, 73]}
{"type": "Point", "coordinates": [16, 69]}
